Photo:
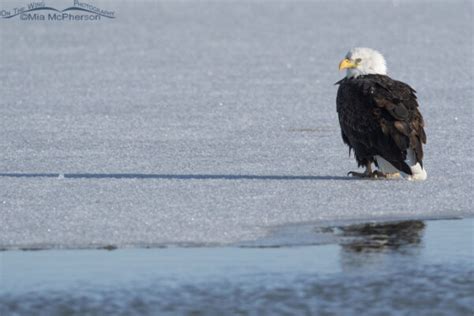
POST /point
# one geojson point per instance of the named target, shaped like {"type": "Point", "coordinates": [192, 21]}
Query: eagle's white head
{"type": "Point", "coordinates": [363, 61]}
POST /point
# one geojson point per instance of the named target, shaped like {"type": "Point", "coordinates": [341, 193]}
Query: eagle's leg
{"type": "Point", "coordinates": [368, 173]}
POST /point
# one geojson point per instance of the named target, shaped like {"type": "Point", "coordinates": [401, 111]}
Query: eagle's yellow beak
{"type": "Point", "coordinates": [346, 63]}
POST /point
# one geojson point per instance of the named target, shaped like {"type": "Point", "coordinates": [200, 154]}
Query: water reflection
{"type": "Point", "coordinates": [379, 246]}
{"type": "Point", "coordinates": [380, 237]}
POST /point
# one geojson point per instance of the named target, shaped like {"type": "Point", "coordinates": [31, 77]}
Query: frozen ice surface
{"type": "Point", "coordinates": [210, 122]}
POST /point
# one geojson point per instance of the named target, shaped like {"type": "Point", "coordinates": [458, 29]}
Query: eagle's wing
{"type": "Point", "coordinates": [396, 110]}
{"type": "Point", "coordinates": [383, 114]}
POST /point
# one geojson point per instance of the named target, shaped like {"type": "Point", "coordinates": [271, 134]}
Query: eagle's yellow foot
{"type": "Point", "coordinates": [378, 175]}
{"type": "Point", "coordinates": [367, 174]}
{"type": "Point", "coordinates": [395, 175]}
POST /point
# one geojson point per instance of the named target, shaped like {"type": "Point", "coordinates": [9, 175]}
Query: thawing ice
{"type": "Point", "coordinates": [211, 123]}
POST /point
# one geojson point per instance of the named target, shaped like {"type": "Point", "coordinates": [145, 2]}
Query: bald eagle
{"type": "Point", "coordinates": [379, 118]}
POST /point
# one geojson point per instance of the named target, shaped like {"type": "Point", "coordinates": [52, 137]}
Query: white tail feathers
{"type": "Point", "coordinates": [418, 173]}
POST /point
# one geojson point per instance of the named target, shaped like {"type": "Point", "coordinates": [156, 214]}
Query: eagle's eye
{"type": "Point", "coordinates": [358, 60]}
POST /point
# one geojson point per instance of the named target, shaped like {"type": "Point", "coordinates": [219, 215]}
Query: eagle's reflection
{"type": "Point", "coordinates": [380, 237]}
{"type": "Point", "coordinates": [376, 246]}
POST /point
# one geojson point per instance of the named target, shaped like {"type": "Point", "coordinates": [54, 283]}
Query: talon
{"type": "Point", "coordinates": [369, 174]}
{"type": "Point", "coordinates": [358, 174]}
{"type": "Point", "coordinates": [377, 174]}
{"type": "Point", "coordinates": [366, 174]}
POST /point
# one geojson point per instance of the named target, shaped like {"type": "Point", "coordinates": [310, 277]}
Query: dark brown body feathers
{"type": "Point", "coordinates": [380, 116]}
